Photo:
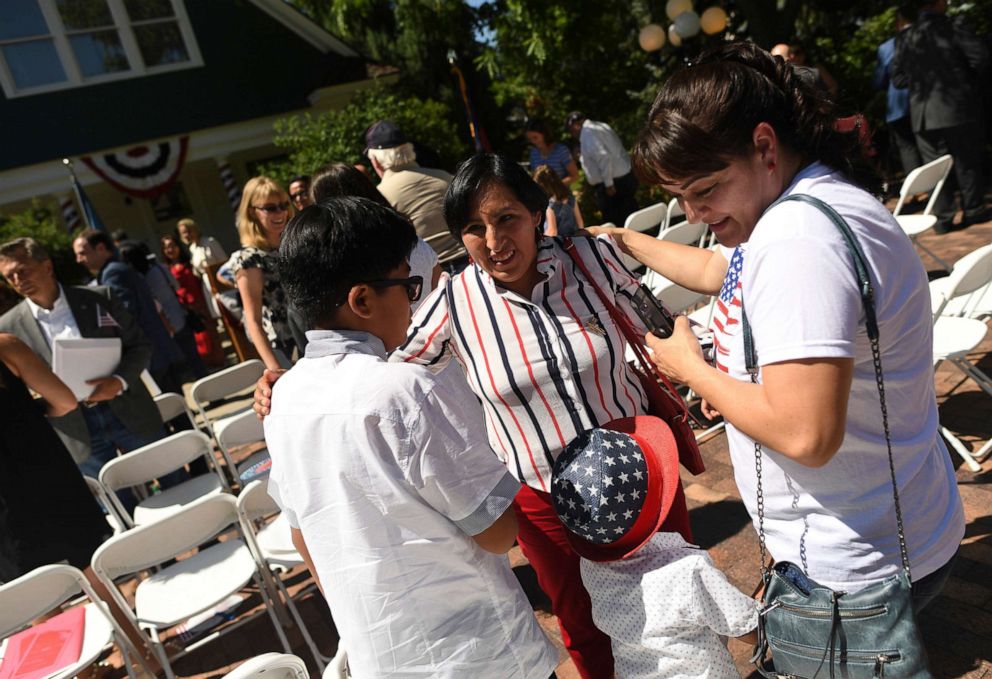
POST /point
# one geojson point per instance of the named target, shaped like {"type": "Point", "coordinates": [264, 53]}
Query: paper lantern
{"type": "Point", "coordinates": [651, 38]}
{"type": "Point", "coordinates": [713, 20]}
{"type": "Point", "coordinates": [674, 37]}
{"type": "Point", "coordinates": [676, 7]}
{"type": "Point", "coordinates": [687, 24]}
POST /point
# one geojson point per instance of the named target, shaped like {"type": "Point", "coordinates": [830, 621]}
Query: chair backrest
{"type": "Point", "coordinates": [226, 382]}
{"type": "Point", "coordinates": [271, 666]}
{"type": "Point", "coordinates": [239, 430]}
{"type": "Point", "coordinates": [36, 593]}
{"type": "Point", "coordinates": [685, 233]}
{"type": "Point", "coordinates": [154, 543]}
{"type": "Point", "coordinates": [927, 178]}
{"type": "Point", "coordinates": [254, 502]}
{"type": "Point", "coordinates": [970, 273]}
{"type": "Point", "coordinates": [154, 460]}
{"type": "Point", "coordinates": [171, 405]}
{"type": "Point", "coordinates": [645, 219]}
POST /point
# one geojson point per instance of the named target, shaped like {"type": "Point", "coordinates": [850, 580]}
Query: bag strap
{"type": "Point", "coordinates": [635, 341]}
{"type": "Point", "coordinates": [871, 322]}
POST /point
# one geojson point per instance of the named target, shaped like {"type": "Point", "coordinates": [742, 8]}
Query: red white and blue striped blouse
{"type": "Point", "coordinates": [545, 368]}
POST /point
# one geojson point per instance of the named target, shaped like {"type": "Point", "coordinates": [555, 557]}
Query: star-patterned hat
{"type": "Point", "coordinates": [613, 486]}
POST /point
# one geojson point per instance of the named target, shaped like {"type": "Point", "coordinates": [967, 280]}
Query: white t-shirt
{"type": "Point", "coordinates": [665, 609]}
{"type": "Point", "coordinates": [388, 476]}
{"type": "Point", "coordinates": [799, 288]}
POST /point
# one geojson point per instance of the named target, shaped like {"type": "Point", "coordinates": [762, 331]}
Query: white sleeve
{"type": "Point", "coordinates": [800, 291]}
{"type": "Point", "coordinates": [454, 469]}
{"type": "Point", "coordinates": [591, 152]}
{"type": "Point", "coordinates": [275, 491]}
{"type": "Point", "coordinates": [719, 605]}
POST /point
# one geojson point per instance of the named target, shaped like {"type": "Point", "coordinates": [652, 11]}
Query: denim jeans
{"type": "Point", "coordinates": [927, 588]}
{"type": "Point", "coordinates": [108, 435]}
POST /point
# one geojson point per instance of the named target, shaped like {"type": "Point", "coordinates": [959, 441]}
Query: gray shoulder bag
{"type": "Point", "coordinates": [812, 630]}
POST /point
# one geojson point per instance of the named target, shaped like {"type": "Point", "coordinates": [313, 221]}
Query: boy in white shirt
{"type": "Point", "coordinates": [398, 505]}
{"type": "Point", "coordinates": [660, 599]}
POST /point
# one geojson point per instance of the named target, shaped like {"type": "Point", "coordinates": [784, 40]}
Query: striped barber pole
{"type": "Point", "coordinates": [230, 186]}
{"type": "Point", "coordinates": [70, 215]}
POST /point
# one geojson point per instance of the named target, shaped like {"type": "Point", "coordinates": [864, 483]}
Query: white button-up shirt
{"type": "Point", "coordinates": [546, 368]}
{"type": "Point", "coordinates": [388, 474]}
{"type": "Point", "coordinates": [665, 609]}
{"type": "Point", "coordinates": [602, 153]}
{"type": "Point", "coordinates": [57, 322]}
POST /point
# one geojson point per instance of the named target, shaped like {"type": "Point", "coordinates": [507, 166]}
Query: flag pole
{"type": "Point", "coordinates": [75, 190]}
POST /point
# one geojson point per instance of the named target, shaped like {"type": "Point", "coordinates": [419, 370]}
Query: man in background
{"type": "Point", "coordinates": [607, 167]}
{"type": "Point", "coordinates": [944, 64]}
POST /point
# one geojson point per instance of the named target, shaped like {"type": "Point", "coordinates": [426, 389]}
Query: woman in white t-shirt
{"type": "Point", "coordinates": [728, 137]}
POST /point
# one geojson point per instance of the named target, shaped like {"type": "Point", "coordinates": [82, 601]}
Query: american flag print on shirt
{"type": "Point", "coordinates": [727, 314]}
{"type": "Point", "coordinates": [546, 368]}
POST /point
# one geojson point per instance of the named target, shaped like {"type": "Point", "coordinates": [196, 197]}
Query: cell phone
{"type": "Point", "coordinates": [653, 313]}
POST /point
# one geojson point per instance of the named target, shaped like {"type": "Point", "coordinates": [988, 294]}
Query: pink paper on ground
{"type": "Point", "coordinates": [45, 648]}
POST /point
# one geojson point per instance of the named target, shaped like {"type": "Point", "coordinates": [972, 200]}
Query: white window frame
{"type": "Point", "coordinates": [123, 25]}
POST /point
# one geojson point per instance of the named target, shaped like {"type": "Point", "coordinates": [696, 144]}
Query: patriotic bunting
{"type": "Point", "coordinates": [142, 171]}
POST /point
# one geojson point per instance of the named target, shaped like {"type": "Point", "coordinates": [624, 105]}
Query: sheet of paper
{"type": "Point", "coordinates": [78, 360]}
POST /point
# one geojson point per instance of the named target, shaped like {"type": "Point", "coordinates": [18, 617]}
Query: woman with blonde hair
{"type": "Point", "coordinates": [262, 216]}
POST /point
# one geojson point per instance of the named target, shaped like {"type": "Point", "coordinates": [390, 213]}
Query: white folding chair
{"type": "Point", "coordinates": [271, 666]}
{"type": "Point", "coordinates": [645, 219]}
{"type": "Point", "coordinates": [191, 585]}
{"type": "Point", "coordinates": [241, 429]}
{"type": "Point", "coordinates": [274, 548]}
{"type": "Point", "coordinates": [171, 405]}
{"type": "Point", "coordinates": [154, 461]}
{"type": "Point", "coordinates": [221, 385]}
{"type": "Point", "coordinates": [42, 590]}
{"type": "Point", "coordinates": [954, 337]}
{"type": "Point", "coordinates": [117, 524]}
{"type": "Point", "coordinates": [928, 178]}
{"type": "Point", "coordinates": [679, 299]}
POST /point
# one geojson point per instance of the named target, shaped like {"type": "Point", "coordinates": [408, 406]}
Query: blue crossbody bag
{"type": "Point", "coordinates": [812, 630]}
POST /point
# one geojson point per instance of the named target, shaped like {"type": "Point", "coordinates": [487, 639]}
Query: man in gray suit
{"type": "Point", "coordinates": [944, 66]}
{"type": "Point", "coordinates": [119, 414]}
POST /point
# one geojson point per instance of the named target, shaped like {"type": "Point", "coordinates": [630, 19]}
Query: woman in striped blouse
{"type": "Point", "coordinates": [542, 354]}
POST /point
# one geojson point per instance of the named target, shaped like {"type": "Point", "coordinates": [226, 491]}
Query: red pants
{"type": "Point", "coordinates": [542, 540]}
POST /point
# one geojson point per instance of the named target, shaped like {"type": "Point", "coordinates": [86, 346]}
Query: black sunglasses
{"type": "Point", "coordinates": [298, 196]}
{"type": "Point", "coordinates": [414, 285]}
{"type": "Point", "coordinates": [272, 207]}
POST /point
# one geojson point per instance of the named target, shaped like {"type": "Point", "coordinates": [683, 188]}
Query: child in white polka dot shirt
{"type": "Point", "coordinates": [666, 608]}
{"type": "Point", "coordinates": [661, 600]}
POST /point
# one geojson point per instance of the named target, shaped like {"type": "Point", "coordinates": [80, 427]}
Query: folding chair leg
{"type": "Point", "coordinates": [163, 656]}
{"type": "Point", "coordinates": [272, 616]}
{"type": "Point", "coordinates": [944, 265]}
{"type": "Point", "coordinates": [962, 450]}
{"type": "Point", "coordinates": [707, 434]}
{"type": "Point", "coordinates": [318, 657]}
{"type": "Point", "coordinates": [980, 378]}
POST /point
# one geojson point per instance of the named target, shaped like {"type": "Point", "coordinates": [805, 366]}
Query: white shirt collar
{"type": "Point", "coordinates": [322, 343]}
{"type": "Point", "coordinates": [60, 305]}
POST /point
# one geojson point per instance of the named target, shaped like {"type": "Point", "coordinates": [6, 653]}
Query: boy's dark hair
{"type": "Point", "coordinates": [94, 238]}
{"type": "Point", "coordinates": [478, 172]}
{"type": "Point", "coordinates": [341, 179]}
{"type": "Point", "coordinates": [333, 245]}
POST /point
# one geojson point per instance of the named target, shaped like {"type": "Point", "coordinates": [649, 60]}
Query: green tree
{"type": "Point", "coordinates": [315, 140]}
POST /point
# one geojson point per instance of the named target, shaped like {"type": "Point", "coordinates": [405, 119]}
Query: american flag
{"type": "Point", "coordinates": [727, 314]}
{"type": "Point", "coordinates": [599, 485]}
{"type": "Point", "coordinates": [105, 320]}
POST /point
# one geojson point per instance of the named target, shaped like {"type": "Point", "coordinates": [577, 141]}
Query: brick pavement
{"type": "Point", "coordinates": [958, 638]}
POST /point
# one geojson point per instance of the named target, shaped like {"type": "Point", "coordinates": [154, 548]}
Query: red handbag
{"type": "Point", "coordinates": [663, 402]}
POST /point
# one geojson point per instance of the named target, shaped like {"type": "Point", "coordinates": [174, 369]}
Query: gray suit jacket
{"type": "Point", "coordinates": [134, 407]}
{"type": "Point", "coordinates": [944, 66]}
